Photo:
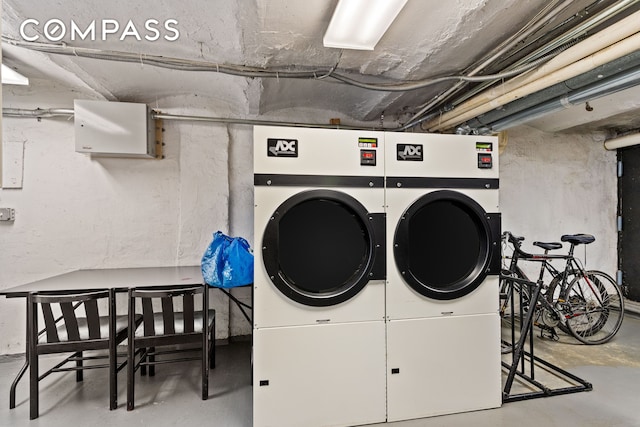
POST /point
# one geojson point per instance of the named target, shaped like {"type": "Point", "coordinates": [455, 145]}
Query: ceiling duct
{"type": "Point", "coordinates": [550, 11]}
{"type": "Point", "coordinates": [558, 91]}
{"type": "Point", "coordinates": [595, 90]}
{"type": "Point", "coordinates": [617, 41]}
{"type": "Point", "coordinates": [597, 17]}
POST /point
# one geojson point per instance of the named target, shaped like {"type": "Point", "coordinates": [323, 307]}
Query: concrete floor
{"type": "Point", "coordinates": [172, 398]}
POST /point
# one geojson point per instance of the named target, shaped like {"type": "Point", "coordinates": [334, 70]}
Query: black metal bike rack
{"type": "Point", "coordinates": [523, 360]}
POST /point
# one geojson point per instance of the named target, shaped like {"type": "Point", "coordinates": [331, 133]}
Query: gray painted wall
{"type": "Point", "coordinates": [554, 184]}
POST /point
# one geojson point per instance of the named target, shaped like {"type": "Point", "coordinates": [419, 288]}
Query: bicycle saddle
{"type": "Point", "coordinates": [548, 246]}
{"type": "Point", "coordinates": [577, 239]}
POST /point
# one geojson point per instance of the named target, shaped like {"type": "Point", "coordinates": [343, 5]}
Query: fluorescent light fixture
{"type": "Point", "coordinates": [360, 24]}
{"type": "Point", "coordinates": [12, 77]}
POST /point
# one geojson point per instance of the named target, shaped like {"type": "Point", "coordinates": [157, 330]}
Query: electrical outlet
{"type": "Point", "coordinates": [7, 214]}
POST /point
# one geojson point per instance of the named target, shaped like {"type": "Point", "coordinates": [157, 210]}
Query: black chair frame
{"type": "Point", "coordinates": [142, 353]}
{"type": "Point", "coordinates": [73, 343]}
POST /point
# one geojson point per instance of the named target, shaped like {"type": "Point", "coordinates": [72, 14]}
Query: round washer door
{"type": "Point", "coordinates": [318, 247]}
{"type": "Point", "coordinates": [443, 245]}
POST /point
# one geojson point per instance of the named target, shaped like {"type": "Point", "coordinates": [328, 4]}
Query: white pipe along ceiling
{"type": "Point", "coordinates": [479, 68]}
{"type": "Point", "coordinates": [592, 91]}
{"type": "Point", "coordinates": [608, 45]}
{"type": "Point", "coordinates": [527, 30]}
{"type": "Point", "coordinates": [623, 141]}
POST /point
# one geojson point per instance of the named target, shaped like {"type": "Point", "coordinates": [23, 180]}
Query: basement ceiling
{"type": "Point", "coordinates": [430, 38]}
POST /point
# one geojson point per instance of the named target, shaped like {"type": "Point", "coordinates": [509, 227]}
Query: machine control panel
{"type": "Point", "coordinates": [485, 161]}
{"type": "Point", "coordinates": [367, 157]}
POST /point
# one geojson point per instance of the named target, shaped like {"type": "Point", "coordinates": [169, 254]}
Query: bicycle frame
{"type": "Point", "coordinates": [518, 353]}
{"type": "Point", "coordinates": [571, 266]}
{"type": "Point", "coordinates": [586, 304]}
{"type": "Point", "coordinates": [565, 299]}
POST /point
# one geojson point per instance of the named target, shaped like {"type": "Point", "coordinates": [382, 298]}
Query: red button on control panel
{"type": "Point", "coordinates": [485, 161]}
{"type": "Point", "coordinates": [367, 157]}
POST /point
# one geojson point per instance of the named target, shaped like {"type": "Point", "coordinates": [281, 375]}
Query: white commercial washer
{"type": "Point", "coordinates": [443, 261]}
{"type": "Point", "coordinates": [319, 285]}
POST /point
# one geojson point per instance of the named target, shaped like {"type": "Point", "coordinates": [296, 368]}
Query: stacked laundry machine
{"type": "Point", "coordinates": [376, 287]}
{"type": "Point", "coordinates": [443, 235]}
{"type": "Point", "coordinates": [319, 355]}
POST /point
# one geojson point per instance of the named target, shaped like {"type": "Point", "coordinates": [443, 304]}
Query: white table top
{"type": "Point", "coordinates": [119, 279]}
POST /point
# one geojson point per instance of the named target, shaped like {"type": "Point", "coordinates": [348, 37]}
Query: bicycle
{"type": "Point", "coordinates": [524, 291]}
{"type": "Point", "coordinates": [586, 304]}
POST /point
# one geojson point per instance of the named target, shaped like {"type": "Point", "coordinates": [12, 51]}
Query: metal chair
{"type": "Point", "coordinates": [163, 326]}
{"type": "Point", "coordinates": [82, 326]}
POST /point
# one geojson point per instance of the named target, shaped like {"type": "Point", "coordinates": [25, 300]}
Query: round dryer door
{"type": "Point", "coordinates": [443, 245]}
{"type": "Point", "coordinates": [319, 247]}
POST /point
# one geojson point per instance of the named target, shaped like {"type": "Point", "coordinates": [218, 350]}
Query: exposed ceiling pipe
{"type": "Point", "coordinates": [211, 119]}
{"type": "Point", "coordinates": [607, 55]}
{"type": "Point", "coordinates": [47, 113]}
{"type": "Point", "coordinates": [248, 71]}
{"type": "Point", "coordinates": [38, 113]}
{"type": "Point", "coordinates": [595, 76]}
{"type": "Point", "coordinates": [583, 28]}
{"type": "Point", "coordinates": [605, 46]}
{"type": "Point", "coordinates": [588, 22]}
{"type": "Point", "coordinates": [623, 141]}
{"type": "Point", "coordinates": [508, 44]}
{"type": "Point", "coordinates": [601, 88]}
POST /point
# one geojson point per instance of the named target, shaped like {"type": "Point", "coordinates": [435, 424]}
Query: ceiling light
{"type": "Point", "coordinates": [12, 77]}
{"type": "Point", "coordinates": [360, 24]}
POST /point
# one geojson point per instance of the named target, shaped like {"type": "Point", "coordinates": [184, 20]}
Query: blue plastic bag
{"type": "Point", "coordinates": [227, 262]}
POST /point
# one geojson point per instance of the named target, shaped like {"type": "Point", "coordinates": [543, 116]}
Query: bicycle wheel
{"type": "Point", "coordinates": [593, 307]}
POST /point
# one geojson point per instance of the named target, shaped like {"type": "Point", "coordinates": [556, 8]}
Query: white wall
{"type": "Point", "coordinates": [241, 211]}
{"type": "Point", "coordinates": [555, 184]}
{"type": "Point", "coordinates": [77, 212]}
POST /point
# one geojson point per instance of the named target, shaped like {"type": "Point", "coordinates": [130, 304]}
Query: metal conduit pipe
{"type": "Point", "coordinates": [68, 112]}
{"type": "Point", "coordinates": [595, 90]}
{"type": "Point", "coordinates": [246, 71]}
{"type": "Point", "coordinates": [584, 28]}
{"type": "Point", "coordinates": [254, 122]}
{"type": "Point", "coordinates": [590, 53]}
{"type": "Point", "coordinates": [623, 141]}
{"type": "Point", "coordinates": [611, 53]}
{"type": "Point", "coordinates": [574, 34]}
{"type": "Point", "coordinates": [37, 113]}
{"type": "Point", "coordinates": [530, 28]}
{"type": "Point", "coordinates": [598, 74]}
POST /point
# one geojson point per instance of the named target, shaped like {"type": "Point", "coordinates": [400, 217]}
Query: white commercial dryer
{"type": "Point", "coordinates": [319, 285]}
{"type": "Point", "coordinates": [443, 261]}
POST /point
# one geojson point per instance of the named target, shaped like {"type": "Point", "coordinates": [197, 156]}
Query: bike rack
{"type": "Point", "coordinates": [523, 361]}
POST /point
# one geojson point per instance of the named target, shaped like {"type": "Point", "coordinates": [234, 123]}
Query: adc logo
{"type": "Point", "coordinates": [410, 152]}
{"type": "Point", "coordinates": [282, 147]}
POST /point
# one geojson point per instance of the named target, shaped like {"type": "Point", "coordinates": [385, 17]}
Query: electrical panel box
{"type": "Point", "coordinates": [114, 129]}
